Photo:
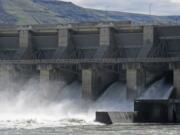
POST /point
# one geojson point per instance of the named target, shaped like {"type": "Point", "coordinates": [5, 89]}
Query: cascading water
{"type": "Point", "coordinates": [115, 99]}
{"type": "Point", "coordinates": [56, 103]}
{"type": "Point", "coordinates": [28, 105]}
{"type": "Point", "coordinates": [158, 91]}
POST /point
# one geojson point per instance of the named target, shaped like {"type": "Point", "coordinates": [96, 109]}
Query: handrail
{"type": "Point", "coordinates": [98, 61]}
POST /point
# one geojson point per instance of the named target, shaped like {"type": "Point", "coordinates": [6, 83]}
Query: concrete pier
{"type": "Point", "coordinates": [94, 82]}
{"type": "Point", "coordinates": [148, 41]}
{"type": "Point", "coordinates": [106, 41]}
{"type": "Point", "coordinates": [24, 38]}
{"type": "Point", "coordinates": [5, 73]}
{"type": "Point", "coordinates": [176, 78]}
{"type": "Point", "coordinates": [6, 76]}
{"type": "Point", "coordinates": [25, 44]}
{"type": "Point", "coordinates": [64, 42]}
{"type": "Point", "coordinates": [45, 74]}
{"type": "Point", "coordinates": [106, 37]}
{"type": "Point", "coordinates": [135, 80]}
{"type": "Point", "coordinates": [64, 36]}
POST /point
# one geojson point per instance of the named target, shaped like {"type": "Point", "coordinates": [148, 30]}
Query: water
{"type": "Point", "coordinates": [56, 108]}
{"type": "Point", "coordinates": [52, 104]}
{"type": "Point", "coordinates": [158, 90]}
{"type": "Point", "coordinates": [121, 129]}
{"type": "Point", "coordinates": [114, 99]}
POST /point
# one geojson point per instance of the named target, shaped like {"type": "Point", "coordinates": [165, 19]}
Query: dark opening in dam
{"type": "Point", "coordinates": [121, 71]}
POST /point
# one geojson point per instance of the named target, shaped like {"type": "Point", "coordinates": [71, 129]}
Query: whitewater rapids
{"type": "Point", "coordinates": [30, 106]}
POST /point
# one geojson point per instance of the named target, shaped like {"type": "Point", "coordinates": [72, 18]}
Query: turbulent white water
{"type": "Point", "coordinates": [57, 104]}
{"type": "Point", "coordinates": [52, 104]}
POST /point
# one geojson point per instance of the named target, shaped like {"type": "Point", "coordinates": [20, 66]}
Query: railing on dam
{"type": "Point", "coordinates": [91, 61]}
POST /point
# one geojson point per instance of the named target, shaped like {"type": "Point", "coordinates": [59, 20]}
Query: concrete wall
{"type": "Point", "coordinates": [168, 35]}
{"type": "Point", "coordinates": [86, 40]}
{"type": "Point", "coordinates": [130, 42]}
{"type": "Point", "coordinates": [129, 39]}
{"type": "Point", "coordinates": [135, 81]}
{"type": "Point", "coordinates": [176, 80]}
{"type": "Point", "coordinates": [9, 42]}
{"type": "Point", "coordinates": [168, 30]}
{"type": "Point", "coordinates": [43, 41]}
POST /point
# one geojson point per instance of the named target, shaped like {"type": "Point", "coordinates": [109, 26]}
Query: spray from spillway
{"type": "Point", "coordinates": [51, 104]}
{"type": "Point", "coordinates": [56, 103]}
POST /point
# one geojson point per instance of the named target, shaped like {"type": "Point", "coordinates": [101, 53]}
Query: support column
{"type": "Point", "coordinates": [6, 75]}
{"type": "Point", "coordinates": [176, 80]}
{"type": "Point", "coordinates": [105, 41]}
{"type": "Point", "coordinates": [106, 37]}
{"type": "Point", "coordinates": [4, 72]}
{"type": "Point", "coordinates": [45, 77]}
{"type": "Point", "coordinates": [148, 41]}
{"type": "Point", "coordinates": [24, 51]}
{"type": "Point", "coordinates": [45, 73]}
{"type": "Point", "coordinates": [95, 82]}
{"type": "Point", "coordinates": [64, 36]}
{"type": "Point", "coordinates": [148, 35]}
{"type": "Point", "coordinates": [87, 82]}
{"type": "Point", "coordinates": [24, 38]}
{"type": "Point", "coordinates": [135, 80]}
{"type": "Point", "coordinates": [132, 85]}
{"type": "Point", "coordinates": [64, 41]}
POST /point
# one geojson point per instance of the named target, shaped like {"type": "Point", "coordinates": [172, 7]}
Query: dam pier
{"type": "Point", "coordinates": [143, 59]}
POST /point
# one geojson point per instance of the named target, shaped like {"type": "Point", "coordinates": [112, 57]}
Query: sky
{"type": "Point", "coordinates": [155, 7]}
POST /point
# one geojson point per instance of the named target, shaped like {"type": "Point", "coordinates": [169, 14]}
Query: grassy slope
{"type": "Point", "coordinates": [53, 12]}
{"type": "Point", "coordinates": [6, 18]}
{"type": "Point", "coordinates": [28, 12]}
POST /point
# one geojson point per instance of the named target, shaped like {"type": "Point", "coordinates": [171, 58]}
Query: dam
{"type": "Point", "coordinates": [136, 66]}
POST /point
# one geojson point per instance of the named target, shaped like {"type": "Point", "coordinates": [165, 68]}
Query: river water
{"type": "Point", "coordinates": [80, 128]}
{"type": "Point", "coordinates": [29, 110]}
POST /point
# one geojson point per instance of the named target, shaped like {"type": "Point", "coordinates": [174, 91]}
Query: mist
{"type": "Point", "coordinates": [42, 103]}
{"type": "Point", "coordinates": [32, 102]}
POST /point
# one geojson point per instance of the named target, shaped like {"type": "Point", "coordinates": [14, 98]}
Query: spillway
{"type": "Point", "coordinates": [160, 90]}
{"type": "Point", "coordinates": [115, 99]}
{"type": "Point", "coordinates": [58, 106]}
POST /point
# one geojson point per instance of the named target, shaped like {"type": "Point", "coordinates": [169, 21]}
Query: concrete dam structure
{"type": "Point", "coordinates": [136, 67]}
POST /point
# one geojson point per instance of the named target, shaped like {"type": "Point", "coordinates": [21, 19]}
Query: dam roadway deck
{"type": "Point", "coordinates": [93, 61]}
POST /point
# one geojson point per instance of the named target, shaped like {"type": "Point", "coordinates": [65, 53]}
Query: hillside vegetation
{"type": "Point", "coordinates": [24, 12]}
